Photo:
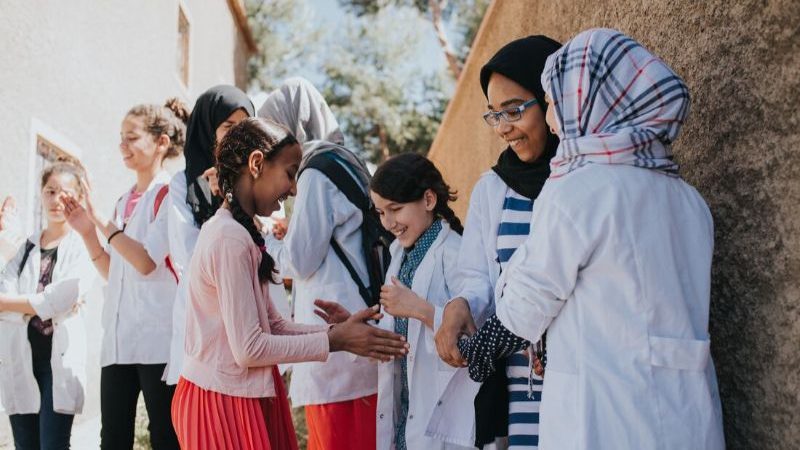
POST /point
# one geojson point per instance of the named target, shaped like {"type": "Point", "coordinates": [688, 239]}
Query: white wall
{"type": "Point", "coordinates": [72, 69]}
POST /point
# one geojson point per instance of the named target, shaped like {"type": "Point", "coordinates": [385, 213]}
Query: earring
{"type": "Point", "coordinates": [229, 197]}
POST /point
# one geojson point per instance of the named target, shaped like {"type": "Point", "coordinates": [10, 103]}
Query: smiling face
{"type": "Point", "coordinates": [526, 136]}
{"type": "Point", "coordinates": [550, 117]}
{"type": "Point", "coordinates": [140, 149]}
{"type": "Point", "coordinates": [56, 184]}
{"type": "Point", "coordinates": [406, 221]}
{"type": "Point", "coordinates": [267, 182]}
{"type": "Point", "coordinates": [235, 117]}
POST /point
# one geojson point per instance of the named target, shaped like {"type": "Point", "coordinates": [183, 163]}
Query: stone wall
{"type": "Point", "coordinates": [740, 148]}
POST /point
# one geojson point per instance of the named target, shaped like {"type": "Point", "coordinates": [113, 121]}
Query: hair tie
{"type": "Point", "coordinates": [263, 248]}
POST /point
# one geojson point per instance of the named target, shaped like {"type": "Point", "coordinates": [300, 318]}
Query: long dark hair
{"type": "Point", "coordinates": [405, 178]}
{"type": "Point", "coordinates": [252, 134]}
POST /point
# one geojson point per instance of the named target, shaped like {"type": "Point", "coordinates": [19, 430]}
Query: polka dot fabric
{"type": "Point", "coordinates": [492, 343]}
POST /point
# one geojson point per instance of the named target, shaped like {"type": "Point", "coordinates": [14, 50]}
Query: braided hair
{"type": "Point", "coordinates": [405, 178]}
{"type": "Point", "coordinates": [233, 153]}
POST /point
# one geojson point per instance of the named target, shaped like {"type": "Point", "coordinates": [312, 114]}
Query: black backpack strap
{"type": "Point", "coordinates": [342, 179]}
{"type": "Point", "coordinates": [362, 290]}
{"type": "Point", "coordinates": [28, 247]}
{"type": "Point", "coordinates": [336, 172]}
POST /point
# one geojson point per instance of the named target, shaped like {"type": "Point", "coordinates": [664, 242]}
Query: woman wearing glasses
{"type": "Point", "coordinates": [497, 223]}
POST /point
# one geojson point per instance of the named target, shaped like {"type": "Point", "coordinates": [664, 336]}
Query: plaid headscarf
{"type": "Point", "coordinates": [615, 102]}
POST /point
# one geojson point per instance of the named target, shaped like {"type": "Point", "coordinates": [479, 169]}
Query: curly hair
{"type": "Point", "coordinates": [169, 120]}
{"type": "Point", "coordinates": [248, 136]}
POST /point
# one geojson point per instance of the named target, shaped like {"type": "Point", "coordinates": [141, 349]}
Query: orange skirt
{"type": "Point", "coordinates": [348, 425]}
{"type": "Point", "coordinates": [209, 420]}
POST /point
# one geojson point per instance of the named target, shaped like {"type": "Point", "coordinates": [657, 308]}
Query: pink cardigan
{"type": "Point", "coordinates": [234, 334]}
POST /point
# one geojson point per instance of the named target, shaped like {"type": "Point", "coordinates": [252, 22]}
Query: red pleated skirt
{"type": "Point", "coordinates": [348, 425]}
{"type": "Point", "coordinates": [208, 420]}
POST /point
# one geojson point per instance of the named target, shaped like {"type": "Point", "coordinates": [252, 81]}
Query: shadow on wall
{"type": "Point", "coordinates": [739, 147]}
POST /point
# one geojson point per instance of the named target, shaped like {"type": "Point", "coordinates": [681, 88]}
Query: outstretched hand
{"type": "Point", "coordinates": [9, 219]}
{"type": "Point", "coordinates": [355, 336]}
{"type": "Point", "coordinates": [331, 312]}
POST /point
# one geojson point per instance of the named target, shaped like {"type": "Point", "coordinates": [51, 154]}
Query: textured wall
{"type": "Point", "coordinates": [77, 67]}
{"type": "Point", "coordinates": [741, 60]}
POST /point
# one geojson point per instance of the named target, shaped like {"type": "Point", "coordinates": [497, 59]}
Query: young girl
{"type": "Point", "coordinates": [412, 200]}
{"type": "Point", "coordinates": [42, 330]}
{"type": "Point", "coordinates": [137, 314]}
{"type": "Point", "coordinates": [191, 198]}
{"type": "Point", "coordinates": [339, 394]}
{"type": "Point", "coordinates": [230, 394]}
{"type": "Point", "coordinates": [497, 223]}
{"type": "Point", "coordinates": [622, 282]}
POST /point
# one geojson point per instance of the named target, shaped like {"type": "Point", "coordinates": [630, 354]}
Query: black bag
{"type": "Point", "coordinates": [375, 240]}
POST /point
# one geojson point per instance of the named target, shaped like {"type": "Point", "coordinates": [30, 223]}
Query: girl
{"type": "Point", "coordinates": [339, 394]}
{"type": "Point", "coordinates": [622, 280]}
{"type": "Point", "coordinates": [230, 394]}
{"type": "Point", "coordinates": [42, 330]}
{"type": "Point", "coordinates": [498, 221]}
{"type": "Point", "coordinates": [412, 200]}
{"type": "Point", "coordinates": [191, 198]}
{"type": "Point", "coordinates": [137, 314]}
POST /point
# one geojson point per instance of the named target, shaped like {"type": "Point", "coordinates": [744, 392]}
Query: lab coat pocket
{"type": "Point", "coordinates": [681, 354]}
{"type": "Point", "coordinates": [559, 425]}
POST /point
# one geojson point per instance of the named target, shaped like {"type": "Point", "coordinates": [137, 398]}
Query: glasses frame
{"type": "Point", "coordinates": [505, 114]}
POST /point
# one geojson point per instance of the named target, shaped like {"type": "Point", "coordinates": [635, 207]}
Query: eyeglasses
{"type": "Point", "coordinates": [492, 118]}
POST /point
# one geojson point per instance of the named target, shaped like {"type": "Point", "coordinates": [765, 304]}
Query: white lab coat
{"type": "Point", "coordinates": [182, 239]}
{"type": "Point", "coordinates": [61, 300]}
{"type": "Point", "coordinates": [434, 421]}
{"type": "Point", "coordinates": [618, 272]}
{"type": "Point", "coordinates": [306, 256]}
{"type": "Point", "coordinates": [477, 257]}
{"type": "Point", "coordinates": [137, 313]}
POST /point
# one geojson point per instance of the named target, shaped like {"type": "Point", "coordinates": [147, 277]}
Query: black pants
{"type": "Point", "coordinates": [120, 385]}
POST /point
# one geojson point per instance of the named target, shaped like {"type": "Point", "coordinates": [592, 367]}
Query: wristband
{"type": "Point", "coordinates": [112, 236]}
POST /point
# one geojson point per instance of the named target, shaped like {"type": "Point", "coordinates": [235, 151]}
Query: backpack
{"type": "Point", "coordinates": [375, 240]}
{"type": "Point", "coordinates": [160, 196]}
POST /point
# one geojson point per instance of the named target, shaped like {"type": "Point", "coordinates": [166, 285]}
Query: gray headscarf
{"type": "Point", "coordinates": [300, 107]}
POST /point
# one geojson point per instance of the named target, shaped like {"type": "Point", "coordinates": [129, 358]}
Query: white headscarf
{"type": "Point", "coordinates": [300, 107]}
{"type": "Point", "coordinates": [615, 102]}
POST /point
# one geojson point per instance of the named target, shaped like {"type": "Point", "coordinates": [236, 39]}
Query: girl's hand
{"type": "Point", "coordinates": [279, 229]}
{"type": "Point", "coordinates": [98, 220]}
{"type": "Point", "coordinates": [77, 216]}
{"type": "Point", "coordinates": [213, 181]}
{"type": "Point", "coordinates": [401, 301]}
{"type": "Point", "coordinates": [9, 219]}
{"type": "Point", "coordinates": [331, 312]}
{"type": "Point", "coordinates": [355, 336]}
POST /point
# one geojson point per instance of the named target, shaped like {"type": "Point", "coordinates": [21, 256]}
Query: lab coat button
{"type": "Point", "coordinates": [380, 416]}
{"type": "Point", "coordinates": [439, 403]}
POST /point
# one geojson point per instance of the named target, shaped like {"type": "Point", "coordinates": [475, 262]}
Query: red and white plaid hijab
{"type": "Point", "coordinates": [615, 102]}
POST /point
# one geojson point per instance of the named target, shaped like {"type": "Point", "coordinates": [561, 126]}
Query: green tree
{"type": "Point", "coordinates": [384, 104]}
{"type": "Point", "coordinates": [287, 40]}
{"type": "Point", "coordinates": [464, 17]}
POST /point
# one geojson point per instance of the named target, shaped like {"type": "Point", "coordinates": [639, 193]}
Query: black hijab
{"type": "Point", "coordinates": [210, 110]}
{"type": "Point", "coordinates": [523, 62]}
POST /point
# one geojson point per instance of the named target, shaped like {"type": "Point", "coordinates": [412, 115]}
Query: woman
{"type": "Point", "coordinates": [622, 281]}
{"type": "Point", "coordinates": [498, 221]}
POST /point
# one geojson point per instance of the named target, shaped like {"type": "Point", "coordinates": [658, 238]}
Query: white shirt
{"type": "Point", "coordinates": [618, 272]}
{"type": "Point", "coordinates": [477, 258]}
{"type": "Point", "coordinates": [61, 301]}
{"type": "Point", "coordinates": [306, 256]}
{"type": "Point", "coordinates": [435, 420]}
{"type": "Point", "coordinates": [137, 314]}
